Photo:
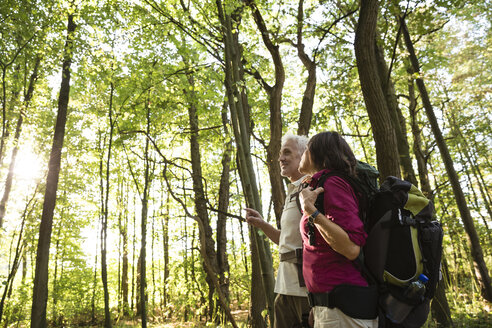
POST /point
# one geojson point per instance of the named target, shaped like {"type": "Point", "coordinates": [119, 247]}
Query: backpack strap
{"type": "Point", "coordinates": [296, 195]}
{"type": "Point", "coordinates": [356, 186]}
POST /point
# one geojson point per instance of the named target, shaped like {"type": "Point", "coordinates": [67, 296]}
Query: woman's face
{"type": "Point", "coordinates": [306, 166]}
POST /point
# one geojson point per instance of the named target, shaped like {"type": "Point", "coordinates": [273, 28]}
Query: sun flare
{"type": "Point", "coordinates": [28, 167]}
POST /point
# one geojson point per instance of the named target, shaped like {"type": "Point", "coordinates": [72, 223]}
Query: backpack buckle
{"type": "Point", "coordinates": [406, 219]}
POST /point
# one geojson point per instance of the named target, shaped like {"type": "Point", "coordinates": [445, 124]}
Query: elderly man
{"type": "Point", "coordinates": [291, 302]}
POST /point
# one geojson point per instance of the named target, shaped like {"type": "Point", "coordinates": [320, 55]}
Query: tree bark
{"type": "Point", "coordinates": [145, 204]}
{"type": "Point", "coordinates": [165, 245]}
{"type": "Point", "coordinates": [476, 248]}
{"type": "Point", "coordinates": [40, 289]}
{"type": "Point", "coordinates": [377, 109]}
{"type": "Point", "coordinates": [19, 254]}
{"type": "Point", "coordinates": [18, 129]}
{"type": "Point", "coordinates": [306, 112]}
{"type": "Point", "coordinates": [439, 306]}
{"type": "Point", "coordinates": [105, 213]}
{"type": "Point", "coordinates": [224, 194]}
{"type": "Point", "coordinates": [199, 192]}
{"type": "Point", "coordinates": [418, 149]}
{"type": "Point", "coordinates": [239, 116]}
{"type": "Point", "coordinates": [275, 102]}
{"type": "Point", "coordinates": [395, 113]}
{"type": "Point", "coordinates": [124, 265]}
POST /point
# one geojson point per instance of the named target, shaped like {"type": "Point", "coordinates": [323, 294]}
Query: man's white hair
{"type": "Point", "coordinates": [301, 141]}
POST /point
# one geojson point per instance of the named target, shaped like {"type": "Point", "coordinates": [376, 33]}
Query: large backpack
{"type": "Point", "coordinates": [404, 241]}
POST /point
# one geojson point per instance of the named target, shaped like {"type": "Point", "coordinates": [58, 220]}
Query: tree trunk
{"type": "Point", "coordinates": [476, 248]}
{"type": "Point", "coordinates": [10, 175]}
{"type": "Point", "coordinates": [134, 278]}
{"type": "Point", "coordinates": [105, 213]}
{"type": "Point", "coordinates": [377, 109]}
{"type": "Point", "coordinates": [124, 264]}
{"type": "Point", "coordinates": [224, 194]}
{"type": "Point", "coordinates": [475, 169]}
{"type": "Point", "coordinates": [54, 294]}
{"type": "Point", "coordinates": [138, 283]}
{"type": "Point", "coordinates": [418, 149]}
{"type": "Point", "coordinates": [200, 200]}
{"type": "Point", "coordinates": [275, 102]}
{"type": "Point", "coordinates": [94, 286]}
{"type": "Point", "coordinates": [40, 289]}
{"type": "Point", "coordinates": [306, 113]}
{"type": "Point", "coordinates": [439, 305]}
{"type": "Point", "coordinates": [165, 245]}
{"type": "Point", "coordinates": [207, 244]}
{"type": "Point", "coordinates": [261, 251]}
{"type": "Point", "coordinates": [19, 253]}
{"type": "Point", "coordinates": [143, 249]}
{"type": "Point", "coordinates": [395, 113]}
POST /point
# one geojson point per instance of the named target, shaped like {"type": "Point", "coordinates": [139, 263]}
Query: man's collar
{"type": "Point", "coordinates": [298, 182]}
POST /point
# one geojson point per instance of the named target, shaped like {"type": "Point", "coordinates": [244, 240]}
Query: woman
{"type": "Point", "coordinates": [332, 236]}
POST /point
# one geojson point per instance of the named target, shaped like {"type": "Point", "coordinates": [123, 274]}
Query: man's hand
{"type": "Point", "coordinates": [308, 197]}
{"type": "Point", "coordinates": [253, 217]}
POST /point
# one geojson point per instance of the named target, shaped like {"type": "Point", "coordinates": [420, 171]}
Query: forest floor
{"type": "Point", "coordinates": [240, 316]}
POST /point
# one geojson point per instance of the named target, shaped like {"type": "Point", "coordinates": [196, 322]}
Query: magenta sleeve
{"type": "Point", "coordinates": [342, 207]}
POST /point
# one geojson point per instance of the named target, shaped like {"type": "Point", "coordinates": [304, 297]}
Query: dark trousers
{"type": "Point", "coordinates": [288, 311]}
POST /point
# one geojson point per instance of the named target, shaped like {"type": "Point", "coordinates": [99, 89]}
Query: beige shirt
{"type": "Point", "coordinates": [287, 282]}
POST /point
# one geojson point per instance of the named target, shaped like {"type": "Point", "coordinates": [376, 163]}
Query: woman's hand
{"type": "Point", "coordinates": [308, 197]}
{"type": "Point", "coordinates": [331, 232]}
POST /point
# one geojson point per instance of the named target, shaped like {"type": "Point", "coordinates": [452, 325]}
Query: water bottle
{"type": "Point", "coordinates": [416, 290]}
{"type": "Point", "coordinates": [396, 310]}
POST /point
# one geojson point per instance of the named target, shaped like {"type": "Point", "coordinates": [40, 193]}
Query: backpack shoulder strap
{"type": "Point", "coordinates": [356, 186]}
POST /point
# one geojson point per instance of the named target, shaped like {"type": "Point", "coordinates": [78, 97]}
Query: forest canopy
{"type": "Point", "coordinates": [134, 134]}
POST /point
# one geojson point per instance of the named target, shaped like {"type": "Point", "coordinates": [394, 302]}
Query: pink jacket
{"type": "Point", "coordinates": [323, 268]}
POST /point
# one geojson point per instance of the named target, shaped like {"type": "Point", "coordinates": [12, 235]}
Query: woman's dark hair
{"type": "Point", "coordinates": [329, 150]}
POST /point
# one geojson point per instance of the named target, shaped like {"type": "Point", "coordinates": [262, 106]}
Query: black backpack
{"type": "Point", "coordinates": [404, 241]}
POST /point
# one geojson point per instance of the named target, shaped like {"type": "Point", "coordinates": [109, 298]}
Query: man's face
{"type": "Point", "coordinates": [289, 159]}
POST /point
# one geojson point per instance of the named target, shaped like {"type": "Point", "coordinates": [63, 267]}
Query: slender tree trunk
{"type": "Point", "coordinates": [418, 149]}
{"type": "Point", "coordinates": [124, 265]}
{"type": "Point", "coordinates": [134, 278]}
{"type": "Point", "coordinates": [306, 113]}
{"type": "Point", "coordinates": [40, 289]}
{"type": "Point", "coordinates": [165, 245]}
{"type": "Point", "coordinates": [138, 283]}
{"type": "Point", "coordinates": [152, 269]}
{"type": "Point", "coordinates": [476, 248]}
{"type": "Point", "coordinates": [395, 114]}
{"type": "Point", "coordinates": [207, 244]}
{"type": "Point", "coordinates": [439, 306]}
{"type": "Point", "coordinates": [224, 194]}
{"type": "Point", "coordinates": [143, 249]}
{"type": "Point", "coordinates": [94, 285]}
{"type": "Point", "coordinates": [275, 102]}
{"type": "Point", "coordinates": [261, 251]}
{"type": "Point", "coordinates": [19, 254]}
{"type": "Point", "coordinates": [4, 112]}
{"type": "Point", "coordinates": [377, 109]}
{"type": "Point", "coordinates": [475, 169]}
{"type": "Point", "coordinates": [105, 213]}
{"type": "Point", "coordinates": [200, 200]}
{"type": "Point", "coordinates": [54, 295]}
{"type": "Point", "coordinates": [10, 175]}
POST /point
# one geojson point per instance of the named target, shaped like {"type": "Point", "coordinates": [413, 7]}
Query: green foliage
{"type": "Point", "coordinates": [153, 60]}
